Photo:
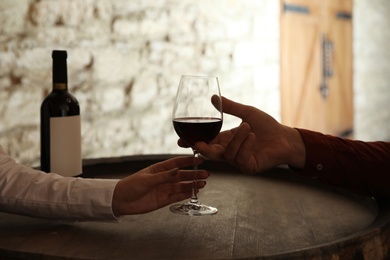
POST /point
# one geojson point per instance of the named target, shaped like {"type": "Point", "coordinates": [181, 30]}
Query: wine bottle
{"type": "Point", "coordinates": [60, 124]}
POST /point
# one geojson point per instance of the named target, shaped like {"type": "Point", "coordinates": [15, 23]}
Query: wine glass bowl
{"type": "Point", "coordinates": [196, 129]}
{"type": "Point", "coordinates": [196, 118]}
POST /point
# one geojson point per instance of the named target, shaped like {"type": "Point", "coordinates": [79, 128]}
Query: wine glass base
{"type": "Point", "coordinates": [192, 209]}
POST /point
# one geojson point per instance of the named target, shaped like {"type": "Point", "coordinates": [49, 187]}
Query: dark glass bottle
{"type": "Point", "coordinates": [60, 124]}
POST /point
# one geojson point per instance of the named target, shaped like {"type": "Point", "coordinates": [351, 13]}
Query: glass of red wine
{"type": "Point", "coordinates": [195, 118]}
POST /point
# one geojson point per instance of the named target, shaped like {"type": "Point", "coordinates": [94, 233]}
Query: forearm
{"type": "Point", "coordinates": [30, 192]}
{"type": "Point", "coordinates": [361, 166]}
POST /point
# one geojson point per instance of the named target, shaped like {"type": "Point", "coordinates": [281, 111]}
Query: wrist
{"type": "Point", "coordinates": [297, 150]}
{"type": "Point", "coordinates": [116, 205]}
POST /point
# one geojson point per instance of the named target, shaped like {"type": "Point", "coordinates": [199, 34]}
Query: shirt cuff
{"type": "Point", "coordinates": [92, 199]}
{"type": "Point", "coordinates": [321, 157]}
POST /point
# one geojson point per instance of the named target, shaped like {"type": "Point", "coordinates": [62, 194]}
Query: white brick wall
{"type": "Point", "coordinates": [125, 59]}
{"type": "Point", "coordinates": [372, 70]}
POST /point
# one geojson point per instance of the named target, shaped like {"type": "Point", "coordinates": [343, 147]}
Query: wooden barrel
{"type": "Point", "coordinates": [277, 215]}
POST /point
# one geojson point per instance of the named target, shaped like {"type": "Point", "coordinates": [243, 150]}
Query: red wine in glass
{"type": "Point", "coordinates": [196, 129]}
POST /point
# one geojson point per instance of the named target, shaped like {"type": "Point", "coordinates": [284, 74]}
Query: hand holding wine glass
{"type": "Point", "coordinates": [195, 119]}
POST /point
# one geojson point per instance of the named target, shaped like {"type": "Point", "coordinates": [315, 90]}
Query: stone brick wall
{"type": "Point", "coordinates": [372, 69]}
{"type": "Point", "coordinates": [125, 59]}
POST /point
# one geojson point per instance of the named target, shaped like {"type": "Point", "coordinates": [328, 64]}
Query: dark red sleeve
{"type": "Point", "coordinates": [361, 166]}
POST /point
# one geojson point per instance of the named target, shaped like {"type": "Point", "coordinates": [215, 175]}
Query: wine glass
{"type": "Point", "coordinates": [195, 118]}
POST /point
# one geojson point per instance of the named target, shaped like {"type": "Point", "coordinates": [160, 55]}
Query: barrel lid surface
{"type": "Point", "coordinates": [276, 215]}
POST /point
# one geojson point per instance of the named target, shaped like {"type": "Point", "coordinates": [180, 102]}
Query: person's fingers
{"type": "Point", "coordinates": [189, 175]}
{"type": "Point", "coordinates": [183, 144]}
{"type": "Point", "coordinates": [175, 197]}
{"type": "Point", "coordinates": [200, 184]}
{"type": "Point", "coordinates": [234, 108]}
{"type": "Point", "coordinates": [164, 177]}
{"type": "Point", "coordinates": [184, 187]}
{"type": "Point", "coordinates": [235, 143]}
{"type": "Point", "coordinates": [216, 100]}
{"type": "Point", "coordinates": [181, 162]}
{"type": "Point", "coordinates": [177, 176]}
{"type": "Point", "coordinates": [212, 152]}
{"type": "Point", "coordinates": [179, 191]}
{"type": "Point", "coordinates": [176, 162]}
{"type": "Point", "coordinates": [245, 159]}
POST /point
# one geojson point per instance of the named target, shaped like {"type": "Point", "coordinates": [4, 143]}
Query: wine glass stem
{"type": "Point", "coordinates": [194, 196]}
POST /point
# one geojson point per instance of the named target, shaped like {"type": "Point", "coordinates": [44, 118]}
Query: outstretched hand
{"type": "Point", "coordinates": [257, 144]}
{"type": "Point", "coordinates": [156, 186]}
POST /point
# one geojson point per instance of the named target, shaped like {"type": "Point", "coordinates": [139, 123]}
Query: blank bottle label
{"type": "Point", "coordinates": [65, 145]}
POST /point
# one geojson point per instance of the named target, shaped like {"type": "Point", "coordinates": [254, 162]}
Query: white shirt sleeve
{"type": "Point", "coordinates": [30, 192]}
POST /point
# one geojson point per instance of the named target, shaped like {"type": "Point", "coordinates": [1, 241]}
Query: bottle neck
{"type": "Point", "coordinates": [60, 86]}
{"type": "Point", "coordinates": [60, 73]}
